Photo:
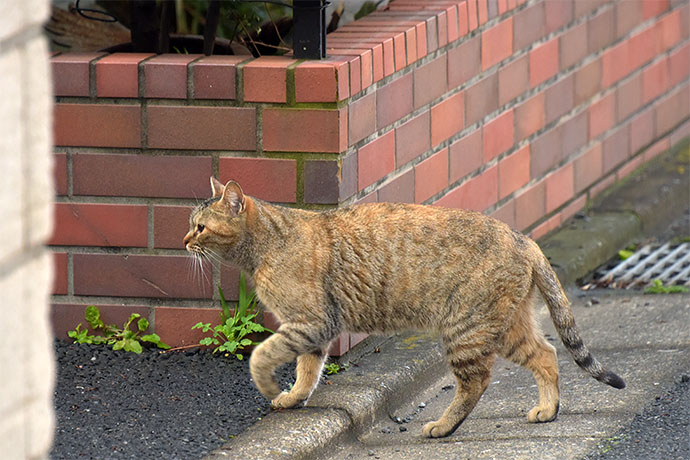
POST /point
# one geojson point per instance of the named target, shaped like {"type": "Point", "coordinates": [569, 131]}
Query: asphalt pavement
{"type": "Point", "coordinates": [377, 407]}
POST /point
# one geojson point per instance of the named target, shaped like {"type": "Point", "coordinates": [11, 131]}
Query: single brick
{"type": "Point", "coordinates": [213, 77]}
{"type": "Point", "coordinates": [587, 81]}
{"type": "Point", "coordinates": [543, 62]}
{"type": "Point", "coordinates": [447, 118]}
{"type": "Point", "coordinates": [573, 47]}
{"type": "Point", "coordinates": [499, 135]}
{"type": "Point", "coordinates": [71, 73]}
{"type": "Point", "coordinates": [60, 274]}
{"type": "Point", "coordinates": [671, 109]}
{"type": "Point", "coordinates": [476, 194]}
{"type": "Point", "coordinates": [130, 275]}
{"type": "Point", "coordinates": [270, 179]}
{"type": "Point", "coordinates": [317, 81]}
{"type": "Point", "coordinates": [432, 34]}
{"type": "Point", "coordinates": [559, 187]}
{"type": "Point", "coordinates": [305, 130]}
{"type": "Point", "coordinates": [348, 173]}
{"type": "Point", "coordinates": [557, 14]}
{"type": "Point", "coordinates": [265, 79]}
{"type": "Point", "coordinates": [464, 62]}
{"type": "Point", "coordinates": [60, 173]}
{"type": "Point", "coordinates": [82, 224]}
{"type": "Point", "coordinates": [602, 115]}
{"type": "Point", "coordinates": [629, 97]}
{"type": "Point", "coordinates": [102, 125]}
{"type": "Point", "coordinates": [399, 190]}
{"type": "Point", "coordinates": [174, 324]}
{"type": "Point", "coordinates": [628, 15]}
{"type": "Point", "coordinates": [431, 176]}
{"type": "Point", "coordinates": [482, 98]}
{"type": "Point", "coordinates": [375, 160]}
{"type": "Point", "coordinates": [230, 282]}
{"type": "Point", "coordinates": [654, 80]}
{"type": "Point", "coordinates": [472, 19]}
{"type": "Point", "coordinates": [615, 63]}
{"type": "Point", "coordinates": [506, 213]}
{"type": "Point", "coordinates": [165, 75]}
{"type": "Point", "coordinates": [641, 48]}
{"type": "Point", "coordinates": [117, 75]}
{"type": "Point", "coordinates": [513, 172]}
{"type": "Point", "coordinates": [513, 80]}
{"type": "Point", "coordinates": [651, 8]}
{"type": "Point", "coordinates": [141, 175]}
{"type": "Point", "coordinates": [170, 225]}
{"type": "Point", "coordinates": [679, 65]}
{"type": "Point", "coordinates": [529, 116]}
{"type": "Point", "coordinates": [560, 98]}
{"type": "Point", "coordinates": [394, 101]}
{"type": "Point", "coordinates": [465, 155]}
{"type": "Point", "coordinates": [463, 19]}
{"type": "Point", "coordinates": [530, 205]}
{"type": "Point", "coordinates": [442, 26]}
{"type": "Point", "coordinates": [601, 30]}
{"type": "Point", "coordinates": [641, 131]}
{"type": "Point", "coordinates": [497, 43]}
{"type": "Point", "coordinates": [430, 81]}
{"type": "Point", "coordinates": [530, 26]}
{"type": "Point", "coordinates": [321, 184]}
{"type": "Point", "coordinates": [616, 148]}
{"type": "Point", "coordinates": [201, 128]}
{"type": "Point", "coordinates": [362, 118]}
{"type": "Point", "coordinates": [574, 134]}
{"type": "Point", "coordinates": [482, 12]}
{"type": "Point", "coordinates": [412, 138]}
{"type": "Point", "coordinates": [546, 152]}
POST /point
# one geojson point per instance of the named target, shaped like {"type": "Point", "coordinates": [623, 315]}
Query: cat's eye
{"type": "Point", "coordinates": [200, 228]}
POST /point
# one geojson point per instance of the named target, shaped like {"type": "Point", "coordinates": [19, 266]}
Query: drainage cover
{"type": "Point", "coordinates": [669, 263]}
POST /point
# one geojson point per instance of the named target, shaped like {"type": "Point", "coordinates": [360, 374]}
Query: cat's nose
{"type": "Point", "coordinates": [187, 237]}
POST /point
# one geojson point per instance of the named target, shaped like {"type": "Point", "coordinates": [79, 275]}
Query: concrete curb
{"type": "Point", "coordinates": [362, 394]}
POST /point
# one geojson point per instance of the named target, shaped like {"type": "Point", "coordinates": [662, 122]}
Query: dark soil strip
{"type": "Point", "coordinates": [179, 405]}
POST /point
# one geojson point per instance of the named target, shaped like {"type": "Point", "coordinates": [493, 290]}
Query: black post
{"type": "Point", "coordinates": [145, 26]}
{"type": "Point", "coordinates": [309, 29]}
{"type": "Point", "coordinates": [212, 19]}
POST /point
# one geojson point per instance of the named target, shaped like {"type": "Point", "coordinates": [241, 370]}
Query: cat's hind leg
{"type": "Point", "coordinates": [524, 344]}
{"type": "Point", "coordinates": [308, 370]}
{"type": "Point", "coordinates": [470, 358]}
{"type": "Point", "coordinates": [289, 341]}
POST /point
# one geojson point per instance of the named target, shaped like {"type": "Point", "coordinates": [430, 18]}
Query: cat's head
{"type": "Point", "coordinates": [216, 224]}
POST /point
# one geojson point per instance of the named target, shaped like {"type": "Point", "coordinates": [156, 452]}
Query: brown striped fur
{"type": "Point", "coordinates": [386, 267]}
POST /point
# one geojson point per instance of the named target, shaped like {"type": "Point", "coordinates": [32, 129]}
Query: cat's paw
{"type": "Point", "coordinates": [286, 400]}
{"type": "Point", "coordinates": [542, 414]}
{"type": "Point", "coordinates": [437, 429]}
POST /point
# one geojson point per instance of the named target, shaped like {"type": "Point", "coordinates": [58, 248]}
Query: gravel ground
{"type": "Point", "coordinates": [178, 405]}
{"type": "Point", "coordinates": [660, 431]}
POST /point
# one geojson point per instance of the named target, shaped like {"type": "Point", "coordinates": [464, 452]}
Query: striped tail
{"type": "Point", "coordinates": [562, 317]}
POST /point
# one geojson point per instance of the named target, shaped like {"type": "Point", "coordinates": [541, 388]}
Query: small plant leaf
{"type": "Point", "coordinates": [93, 317]}
{"type": "Point", "coordinates": [625, 253]}
{"type": "Point", "coordinates": [119, 345]}
{"type": "Point", "coordinates": [142, 324]}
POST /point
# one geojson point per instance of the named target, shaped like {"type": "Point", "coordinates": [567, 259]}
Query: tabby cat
{"type": "Point", "coordinates": [383, 267]}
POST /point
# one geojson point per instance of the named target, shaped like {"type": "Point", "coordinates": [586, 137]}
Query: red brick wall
{"type": "Point", "coordinates": [519, 109]}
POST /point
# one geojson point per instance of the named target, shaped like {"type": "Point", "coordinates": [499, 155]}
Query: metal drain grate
{"type": "Point", "coordinates": [669, 263]}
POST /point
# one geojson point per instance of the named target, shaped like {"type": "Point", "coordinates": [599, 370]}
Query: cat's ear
{"type": "Point", "coordinates": [233, 197]}
{"type": "Point", "coordinates": [217, 187]}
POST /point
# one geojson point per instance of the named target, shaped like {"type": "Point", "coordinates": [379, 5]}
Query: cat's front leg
{"type": "Point", "coordinates": [288, 342]}
{"type": "Point", "coordinates": [309, 368]}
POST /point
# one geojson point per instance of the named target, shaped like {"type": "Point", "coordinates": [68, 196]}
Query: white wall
{"type": "Point", "coordinates": [27, 369]}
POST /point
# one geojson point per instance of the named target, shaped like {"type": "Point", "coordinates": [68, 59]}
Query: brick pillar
{"type": "Point", "coordinates": [26, 197]}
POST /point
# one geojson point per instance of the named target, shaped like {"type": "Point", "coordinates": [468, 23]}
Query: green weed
{"type": "Point", "coordinates": [120, 339]}
{"type": "Point", "coordinates": [658, 287]}
{"type": "Point", "coordinates": [230, 336]}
